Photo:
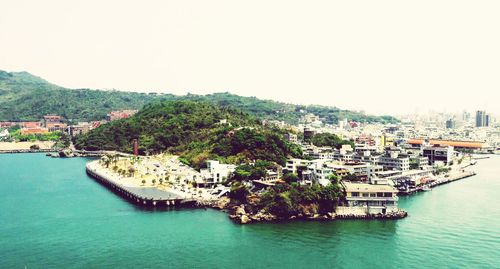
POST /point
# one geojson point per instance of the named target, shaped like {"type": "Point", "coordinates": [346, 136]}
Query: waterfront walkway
{"type": "Point", "coordinates": [148, 196]}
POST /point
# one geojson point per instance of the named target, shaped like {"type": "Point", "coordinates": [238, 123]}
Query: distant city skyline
{"type": "Point", "coordinates": [379, 57]}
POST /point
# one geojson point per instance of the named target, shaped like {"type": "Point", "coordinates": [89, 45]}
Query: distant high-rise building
{"type": "Point", "coordinates": [466, 116]}
{"type": "Point", "coordinates": [482, 119]}
{"type": "Point", "coordinates": [450, 124]}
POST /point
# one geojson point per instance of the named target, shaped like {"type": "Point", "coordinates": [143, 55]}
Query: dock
{"type": "Point", "coordinates": [142, 196]}
{"type": "Point", "coordinates": [441, 181]}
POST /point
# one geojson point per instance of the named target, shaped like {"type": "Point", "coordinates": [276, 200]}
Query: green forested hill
{"type": "Point", "coordinates": [193, 130]}
{"type": "Point", "coordinates": [27, 97]}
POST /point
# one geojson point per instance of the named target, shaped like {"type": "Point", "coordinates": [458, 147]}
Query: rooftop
{"type": "Point", "coordinates": [364, 187]}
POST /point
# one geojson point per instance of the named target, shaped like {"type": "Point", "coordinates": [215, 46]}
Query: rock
{"type": "Point", "coordinates": [244, 219]}
{"type": "Point", "coordinates": [66, 153]}
{"type": "Point", "coordinates": [240, 210]}
{"type": "Point", "coordinates": [222, 203]}
{"type": "Point", "coordinates": [256, 217]}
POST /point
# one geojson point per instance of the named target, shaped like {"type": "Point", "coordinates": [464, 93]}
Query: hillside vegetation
{"type": "Point", "coordinates": [24, 97]}
{"type": "Point", "coordinates": [195, 130]}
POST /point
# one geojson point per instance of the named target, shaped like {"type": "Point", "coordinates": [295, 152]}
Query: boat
{"type": "Point", "coordinates": [426, 188]}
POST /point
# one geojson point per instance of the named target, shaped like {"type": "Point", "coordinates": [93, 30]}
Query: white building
{"type": "Point", "coordinates": [395, 160]}
{"type": "Point", "coordinates": [371, 199]}
{"type": "Point", "coordinates": [292, 165]}
{"type": "Point", "coordinates": [217, 172]}
{"type": "Point", "coordinates": [4, 134]}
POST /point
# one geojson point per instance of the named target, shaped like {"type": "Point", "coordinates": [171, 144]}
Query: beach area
{"type": "Point", "coordinates": [11, 147]}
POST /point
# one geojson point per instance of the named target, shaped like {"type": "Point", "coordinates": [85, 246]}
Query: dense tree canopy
{"type": "Point", "coordinates": [330, 140]}
{"type": "Point", "coordinates": [285, 200]}
{"type": "Point", "coordinates": [195, 130]}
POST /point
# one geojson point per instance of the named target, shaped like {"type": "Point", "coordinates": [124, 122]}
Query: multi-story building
{"type": "Point", "coordinates": [217, 172]}
{"type": "Point", "coordinates": [394, 159]}
{"type": "Point", "coordinates": [294, 165]}
{"type": "Point", "coordinates": [54, 123]}
{"type": "Point", "coordinates": [372, 199]}
{"type": "Point", "coordinates": [80, 128]}
{"type": "Point", "coordinates": [438, 154]}
{"type": "Point", "coordinates": [450, 124]}
{"type": "Point", "coordinates": [482, 119]}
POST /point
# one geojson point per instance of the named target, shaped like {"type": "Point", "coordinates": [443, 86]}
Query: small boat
{"type": "Point", "coordinates": [426, 188]}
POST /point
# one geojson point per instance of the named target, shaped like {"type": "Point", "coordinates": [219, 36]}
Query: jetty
{"type": "Point", "coordinates": [142, 196]}
{"type": "Point", "coordinates": [444, 180]}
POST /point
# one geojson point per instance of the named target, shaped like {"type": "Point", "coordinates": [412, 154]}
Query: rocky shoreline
{"type": "Point", "coordinates": [241, 215]}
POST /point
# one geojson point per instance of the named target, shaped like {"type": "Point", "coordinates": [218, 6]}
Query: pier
{"type": "Point", "coordinates": [439, 182]}
{"type": "Point", "coordinates": [142, 196]}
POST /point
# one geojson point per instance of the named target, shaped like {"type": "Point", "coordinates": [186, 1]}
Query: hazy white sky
{"type": "Point", "coordinates": [377, 56]}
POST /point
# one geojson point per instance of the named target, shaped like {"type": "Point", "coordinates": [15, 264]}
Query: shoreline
{"type": "Point", "coordinates": [242, 214]}
{"type": "Point", "coordinates": [136, 195]}
{"type": "Point", "coordinates": [18, 151]}
{"type": "Point", "coordinates": [439, 182]}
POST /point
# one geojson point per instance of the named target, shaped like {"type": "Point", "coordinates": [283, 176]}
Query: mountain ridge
{"type": "Point", "coordinates": [26, 97]}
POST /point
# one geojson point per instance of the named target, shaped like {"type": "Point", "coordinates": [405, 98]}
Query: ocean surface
{"type": "Point", "coordinates": [52, 215]}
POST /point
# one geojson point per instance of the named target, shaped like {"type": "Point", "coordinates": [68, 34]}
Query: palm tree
{"type": "Point", "coordinates": [131, 171]}
{"type": "Point", "coordinates": [161, 181]}
{"type": "Point", "coordinates": [106, 160]}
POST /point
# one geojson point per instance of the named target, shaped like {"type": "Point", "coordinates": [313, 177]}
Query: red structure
{"type": "Point", "coordinates": [136, 147]}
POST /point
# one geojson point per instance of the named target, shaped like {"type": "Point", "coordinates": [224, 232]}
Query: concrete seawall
{"type": "Point", "coordinates": [142, 196]}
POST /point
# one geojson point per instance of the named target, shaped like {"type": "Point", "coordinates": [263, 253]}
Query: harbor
{"type": "Point", "coordinates": [65, 211]}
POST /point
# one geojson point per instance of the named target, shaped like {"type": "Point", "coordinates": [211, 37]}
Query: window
{"type": "Point", "coordinates": [355, 194]}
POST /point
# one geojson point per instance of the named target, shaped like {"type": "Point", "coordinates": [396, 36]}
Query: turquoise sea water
{"type": "Point", "coordinates": [52, 215]}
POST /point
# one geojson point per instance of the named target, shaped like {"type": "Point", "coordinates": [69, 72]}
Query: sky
{"type": "Point", "coordinates": [382, 57]}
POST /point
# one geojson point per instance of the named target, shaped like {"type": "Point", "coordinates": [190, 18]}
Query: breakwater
{"type": "Point", "coordinates": [142, 196]}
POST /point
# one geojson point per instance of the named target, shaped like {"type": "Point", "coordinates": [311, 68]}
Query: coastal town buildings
{"type": "Point", "coordinates": [120, 114]}
{"type": "Point", "coordinates": [438, 154]}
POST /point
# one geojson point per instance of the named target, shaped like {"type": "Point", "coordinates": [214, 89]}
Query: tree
{"type": "Point", "coordinates": [290, 178]}
{"type": "Point", "coordinates": [330, 140]}
{"type": "Point", "coordinates": [131, 171]}
{"type": "Point", "coordinates": [239, 192]}
{"type": "Point", "coordinates": [106, 160]}
{"type": "Point", "coordinates": [334, 179]}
